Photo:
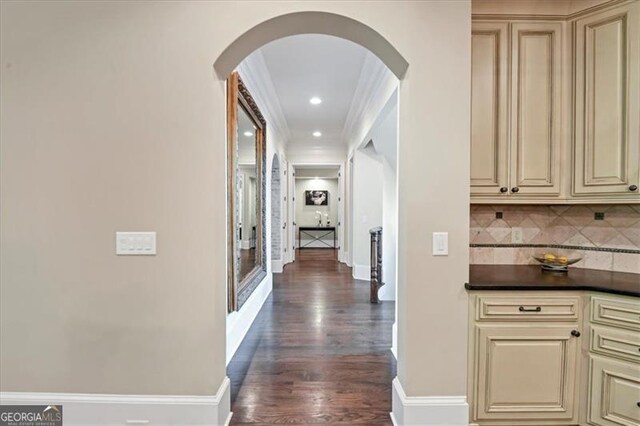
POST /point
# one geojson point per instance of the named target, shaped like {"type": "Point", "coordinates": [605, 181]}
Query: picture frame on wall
{"type": "Point", "coordinates": [316, 198]}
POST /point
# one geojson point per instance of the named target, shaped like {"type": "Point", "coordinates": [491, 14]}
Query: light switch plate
{"type": "Point", "coordinates": [440, 243]}
{"type": "Point", "coordinates": [135, 243]}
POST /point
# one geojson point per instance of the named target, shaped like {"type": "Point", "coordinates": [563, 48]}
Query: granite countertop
{"type": "Point", "coordinates": [531, 277]}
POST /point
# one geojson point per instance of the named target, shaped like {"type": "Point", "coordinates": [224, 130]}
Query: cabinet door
{"type": "Point", "coordinates": [536, 74]}
{"type": "Point", "coordinates": [526, 373]}
{"type": "Point", "coordinates": [614, 392]}
{"type": "Point", "coordinates": [607, 96]}
{"type": "Point", "coordinates": [489, 150]}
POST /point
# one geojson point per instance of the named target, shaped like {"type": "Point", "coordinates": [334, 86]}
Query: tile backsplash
{"type": "Point", "coordinates": [609, 243]}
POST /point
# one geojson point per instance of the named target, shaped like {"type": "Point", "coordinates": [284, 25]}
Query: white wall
{"type": "Point", "coordinates": [305, 215]}
{"type": "Point", "coordinates": [367, 207]}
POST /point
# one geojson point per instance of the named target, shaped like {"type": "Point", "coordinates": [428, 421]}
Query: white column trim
{"type": "Point", "coordinates": [428, 410]}
{"type": "Point", "coordinates": [111, 409]}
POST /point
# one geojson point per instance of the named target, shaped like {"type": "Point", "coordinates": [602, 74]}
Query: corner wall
{"type": "Point", "coordinates": [113, 119]}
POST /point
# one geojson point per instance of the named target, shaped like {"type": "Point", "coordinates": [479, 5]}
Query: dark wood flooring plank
{"type": "Point", "coordinates": [317, 353]}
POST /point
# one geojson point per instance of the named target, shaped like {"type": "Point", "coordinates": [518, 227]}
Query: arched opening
{"type": "Point", "coordinates": [335, 286]}
{"type": "Point", "coordinates": [310, 23]}
{"type": "Point", "coordinates": [276, 216]}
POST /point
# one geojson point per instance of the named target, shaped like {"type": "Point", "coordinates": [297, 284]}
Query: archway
{"type": "Point", "coordinates": [276, 216]}
{"type": "Point", "coordinates": [310, 23]}
{"type": "Point", "coordinates": [292, 24]}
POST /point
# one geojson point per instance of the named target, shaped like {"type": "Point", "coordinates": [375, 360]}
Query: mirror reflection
{"type": "Point", "coordinates": [247, 195]}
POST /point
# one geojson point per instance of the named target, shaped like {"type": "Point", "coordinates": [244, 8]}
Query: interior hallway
{"type": "Point", "coordinates": [318, 351]}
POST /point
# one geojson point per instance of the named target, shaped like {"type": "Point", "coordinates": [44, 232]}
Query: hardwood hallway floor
{"type": "Point", "coordinates": [318, 352]}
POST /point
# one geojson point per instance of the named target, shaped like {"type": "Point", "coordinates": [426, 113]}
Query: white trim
{"type": "Point", "coordinates": [255, 75]}
{"type": "Point", "coordinates": [111, 409]}
{"type": "Point", "coordinates": [428, 410]}
{"type": "Point", "coordinates": [362, 272]}
{"type": "Point", "coordinates": [374, 87]}
{"type": "Point", "coordinates": [239, 322]}
{"type": "Point", "coordinates": [277, 266]}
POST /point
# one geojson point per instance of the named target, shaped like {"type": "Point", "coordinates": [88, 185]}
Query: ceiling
{"type": "Point", "coordinates": [303, 66]}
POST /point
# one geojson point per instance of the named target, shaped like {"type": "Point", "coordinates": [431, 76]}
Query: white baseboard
{"type": "Point", "coordinates": [277, 266]}
{"type": "Point", "coordinates": [428, 410]}
{"type": "Point", "coordinates": [239, 322]}
{"type": "Point", "coordinates": [362, 272]}
{"type": "Point", "coordinates": [108, 409]}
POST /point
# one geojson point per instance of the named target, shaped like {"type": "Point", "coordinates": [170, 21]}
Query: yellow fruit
{"type": "Point", "coordinates": [549, 257]}
{"type": "Point", "coordinates": [563, 260]}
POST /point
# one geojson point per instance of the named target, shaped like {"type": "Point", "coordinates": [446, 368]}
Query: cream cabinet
{"type": "Point", "coordinates": [607, 103]}
{"type": "Point", "coordinates": [515, 140]}
{"type": "Point", "coordinates": [614, 362]}
{"type": "Point", "coordinates": [553, 358]}
{"type": "Point", "coordinates": [489, 149]}
{"type": "Point", "coordinates": [524, 358]}
{"type": "Point", "coordinates": [555, 107]}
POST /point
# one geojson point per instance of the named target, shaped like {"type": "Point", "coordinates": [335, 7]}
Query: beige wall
{"type": "Point", "coordinates": [113, 119]}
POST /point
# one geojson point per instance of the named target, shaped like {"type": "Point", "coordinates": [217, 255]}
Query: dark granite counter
{"type": "Point", "coordinates": [531, 277]}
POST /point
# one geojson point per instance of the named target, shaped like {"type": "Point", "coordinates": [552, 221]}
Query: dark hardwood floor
{"type": "Point", "coordinates": [318, 352]}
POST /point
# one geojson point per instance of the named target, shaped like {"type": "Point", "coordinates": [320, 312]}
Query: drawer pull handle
{"type": "Point", "coordinates": [575, 333]}
{"type": "Point", "coordinates": [536, 309]}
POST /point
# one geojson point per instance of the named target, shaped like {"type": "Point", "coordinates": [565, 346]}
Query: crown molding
{"type": "Point", "coordinates": [375, 85]}
{"type": "Point", "coordinates": [549, 16]}
{"type": "Point", "coordinates": [255, 75]}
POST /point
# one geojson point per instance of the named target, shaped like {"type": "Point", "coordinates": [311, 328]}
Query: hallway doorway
{"type": "Point", "coordinates": [311, 348]}
{"type": "Point", "coordinates": [318, 209]}
{"type": "Point", "coordinates": [318, 351]}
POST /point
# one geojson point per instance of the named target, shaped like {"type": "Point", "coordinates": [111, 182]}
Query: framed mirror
{"type": "Point", "coordinates": [246, 179]}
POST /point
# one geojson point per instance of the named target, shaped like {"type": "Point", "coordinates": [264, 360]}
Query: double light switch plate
{"type": "Point", "coordinates": [136, 243]}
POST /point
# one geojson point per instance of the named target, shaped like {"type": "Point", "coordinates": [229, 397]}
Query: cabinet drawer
{"type": "Point", "coordinates": [616, 312]}
{"type": "Point", "coordinates": [528, 308]}
{"type": "Point", "coordinates": [614, 392]}
{"type": "Point", "coordinates": [616, 342]}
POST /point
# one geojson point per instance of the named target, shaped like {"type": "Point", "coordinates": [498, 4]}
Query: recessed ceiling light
{"type": "Point", "coordinates": [248, 133]}
{"type": "Point", "coordinates": [317, 134]}
{"type": "Point", "coordinates": [315, 100]}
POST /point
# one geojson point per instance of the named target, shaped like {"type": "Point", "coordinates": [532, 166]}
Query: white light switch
{"type": "Point", "coordinates": [135, 243]}
{"type": "Point", "coordinates": [440, 243]}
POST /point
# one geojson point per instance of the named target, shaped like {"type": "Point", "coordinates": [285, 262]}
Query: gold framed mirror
{"type": "Point", "coordinates": [246, 180]}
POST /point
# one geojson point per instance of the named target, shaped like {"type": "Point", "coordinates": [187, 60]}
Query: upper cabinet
{"type": "Point", "coordinates": [489, 151]}
{"type": "Point", "coordinates": [607, 93]}
{"type": "Point", "coordinates": [555, 107]}
{"type": "Point", "coordinates": [536, 53]}
{"type": "Point", "coordinates": [515, 109]}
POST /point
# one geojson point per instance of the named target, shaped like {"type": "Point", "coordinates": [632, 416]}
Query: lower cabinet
{"type": "Point", "coordinates": [614, 392]}
{"type": "Point", "coordinates": [524, 357]}
{"type": "Point", "coordinates": [527, 373]}
{"type": "Point", "coordinates": [553, 358]}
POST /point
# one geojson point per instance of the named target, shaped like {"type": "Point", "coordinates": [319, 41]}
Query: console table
{"type": "Point", "coordinates": [327, 230]}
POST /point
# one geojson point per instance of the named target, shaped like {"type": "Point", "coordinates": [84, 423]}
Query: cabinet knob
{"type": "Point", "coordinates": [633, 188]}
{"type": "Point", "coordinates": [515, 189]}
{"type": "Point", "coordinates": [504, 189]}
{"type": "Point", "coordinates": [575, 333]}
